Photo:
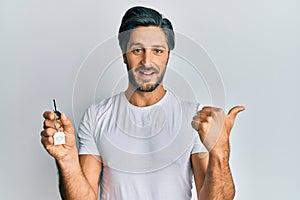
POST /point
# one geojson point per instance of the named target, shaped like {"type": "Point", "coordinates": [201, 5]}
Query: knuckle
{"type": "Point", "coordinates": [46, 123]}
{"type": "Point", "coordinates": [46, 114]}
{"type": "Point", "coordinates": [202, 115]}
{"type": "Point", "coordinates": [195, 124]}
{"type": "Point", "coordinates": [49, 132]}
{"type": "Point", "coordinates": [207, 108]}
{"type": "Point", "coordinates": [42, 133]}
{"type": "Point", "coordinates": [49, 115]}
{"type": "Point", "coordinates": [44, 141]}
{"type": "Point", "coordinates": [50, 140]}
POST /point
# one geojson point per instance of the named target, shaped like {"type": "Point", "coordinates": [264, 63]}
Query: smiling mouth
{"type": "Point", "coordinates": [146, 73]}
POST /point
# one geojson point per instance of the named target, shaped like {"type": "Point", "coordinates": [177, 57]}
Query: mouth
{"type": "Point", "coordinates": [146, 72]}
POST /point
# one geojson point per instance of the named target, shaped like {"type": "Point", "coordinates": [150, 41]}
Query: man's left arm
{"type": "Point", "coordinates": [214, 129]}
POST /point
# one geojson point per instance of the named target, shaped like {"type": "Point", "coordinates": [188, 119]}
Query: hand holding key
{"type": "Point", "coordinates": [54, 127]}
{"type": "Point", "coordinates": [59, 136]}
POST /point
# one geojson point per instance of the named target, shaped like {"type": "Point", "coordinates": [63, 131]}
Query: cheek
{"type": "Point", "coordinates": [133, 61]}
{"type": "Point", "coordinates": [163, 60]}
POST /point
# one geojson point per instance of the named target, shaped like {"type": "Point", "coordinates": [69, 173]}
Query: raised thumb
{"type": "Point", "coordinates": [234, 111]}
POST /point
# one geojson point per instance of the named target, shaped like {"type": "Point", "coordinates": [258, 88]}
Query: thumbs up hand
{"type": "Point", "coordinates": [214, 128]}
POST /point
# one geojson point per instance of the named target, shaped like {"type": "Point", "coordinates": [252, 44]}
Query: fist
{"type": "Point", "coordinates": [214, 127]}
{"type": "Point", "coordinates": [61, 151]}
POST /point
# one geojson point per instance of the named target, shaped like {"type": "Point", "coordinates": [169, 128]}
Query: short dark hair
{"type": "Point", "coordinates": [142, 16]}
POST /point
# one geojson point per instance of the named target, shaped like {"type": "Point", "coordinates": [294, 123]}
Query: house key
{"type": "Point", "coordinates": [59, 136]}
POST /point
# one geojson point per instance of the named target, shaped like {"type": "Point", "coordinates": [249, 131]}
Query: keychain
{"type": "Point", "coordinates": [59, 137]}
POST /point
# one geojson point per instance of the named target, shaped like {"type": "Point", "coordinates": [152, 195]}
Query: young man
{"type": "Point", "coordinates": [140, 144]}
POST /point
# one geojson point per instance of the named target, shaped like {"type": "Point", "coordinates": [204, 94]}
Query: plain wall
{"type": "Point", "coordinates": [254, 44]}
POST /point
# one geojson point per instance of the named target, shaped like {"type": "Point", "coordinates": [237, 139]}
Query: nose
{"type": "Point", "coordinates": [146, 60]}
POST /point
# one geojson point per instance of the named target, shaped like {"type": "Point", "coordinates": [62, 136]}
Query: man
{"type": "Point", "coordinates": [142, 124]}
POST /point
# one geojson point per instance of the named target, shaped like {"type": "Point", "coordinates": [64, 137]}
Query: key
{"type": "Point", "coordinates": [59, 136]}
{"type": "Point", "coordinates": [56, 111]}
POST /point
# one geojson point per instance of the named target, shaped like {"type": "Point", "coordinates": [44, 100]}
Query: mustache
{"type": "Point", "coordinates": [144, 68]}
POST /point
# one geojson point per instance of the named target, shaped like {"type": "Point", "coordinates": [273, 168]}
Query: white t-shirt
{"type": "Point", "coordinates": [145, 150]}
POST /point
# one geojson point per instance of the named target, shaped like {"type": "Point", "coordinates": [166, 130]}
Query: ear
{"type": "Point", "coordinates": [124, 58]}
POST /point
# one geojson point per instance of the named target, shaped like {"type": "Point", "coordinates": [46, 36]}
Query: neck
{"type": "Point", "coordinates": [143, 99]}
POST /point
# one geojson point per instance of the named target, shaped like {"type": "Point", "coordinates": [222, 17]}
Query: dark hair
{"type": "Point", "coordinates": [142, 16]}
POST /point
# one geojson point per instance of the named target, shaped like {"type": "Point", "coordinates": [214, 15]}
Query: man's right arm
{"type": "Point", "coordinates": [80, 181]}
{"type": "Point", "coordinates": [78, 177]}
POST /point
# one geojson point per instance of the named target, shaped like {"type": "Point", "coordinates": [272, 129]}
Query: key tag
{"type": "Point", "coordinates": [59, 137]}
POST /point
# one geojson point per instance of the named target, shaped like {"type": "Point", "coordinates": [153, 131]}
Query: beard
{"type": "Point", "coordinates": [137, 86]}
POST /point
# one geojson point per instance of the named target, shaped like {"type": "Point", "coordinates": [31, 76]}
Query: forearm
{"type": "Point", "coordinates": [218, 183]}
{"type": "Point", "coordinates": [214, 129]}
{"type": "Point", "coordinates": [73, 185]}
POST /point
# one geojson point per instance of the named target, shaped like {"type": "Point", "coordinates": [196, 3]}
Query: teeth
{"type": "Point", "coordinates": [146, 73]}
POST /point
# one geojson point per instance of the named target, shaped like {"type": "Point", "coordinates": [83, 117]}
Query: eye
{"type": "Point", "coordinates": [158, 51]}
{"type": "Point", "coordinates": [137, 51]}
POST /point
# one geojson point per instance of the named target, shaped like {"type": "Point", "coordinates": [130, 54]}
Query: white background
{"type": "Point", "coordinates": [255, 45]}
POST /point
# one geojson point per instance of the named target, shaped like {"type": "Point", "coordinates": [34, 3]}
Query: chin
{"type": "Point", "coordinates": [147, 89]}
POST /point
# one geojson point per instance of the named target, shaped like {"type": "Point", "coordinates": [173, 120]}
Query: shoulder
{"type": "Point", "coordinates": [105, 105]}
{"type": "Point", "coordinates": [186, 104]}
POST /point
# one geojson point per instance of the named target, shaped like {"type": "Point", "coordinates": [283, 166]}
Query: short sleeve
{"type": "Point", "coordinates": [198, 145]}
{"type": "Point", "coordinates": [86, 131]}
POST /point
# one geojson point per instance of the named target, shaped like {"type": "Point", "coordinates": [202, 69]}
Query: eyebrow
{"type": "Point", "coordinates": [140, 44]}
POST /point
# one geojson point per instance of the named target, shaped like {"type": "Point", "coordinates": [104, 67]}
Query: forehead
{"type": "Point", "coordinates": [147, 36]}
